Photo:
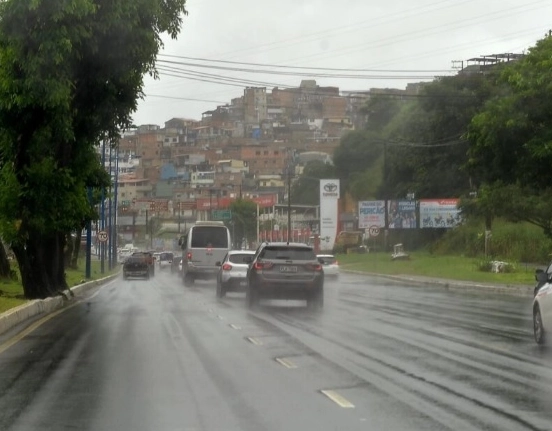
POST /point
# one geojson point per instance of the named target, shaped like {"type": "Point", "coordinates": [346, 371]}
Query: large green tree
{"type": "Point", "coordinates": [71, 73]}
{"type": "Point", "coordinates": [511, 139]}
{"type": "Point", "coordinates": [358, 152]}
{"type": "Point", "coordinates": [306, 188]}
{"type": "Point", "coordinates": [426, 147]}
{"type": "Point", "coordinates": [244, 221]}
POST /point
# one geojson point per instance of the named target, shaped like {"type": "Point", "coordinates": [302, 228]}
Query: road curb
{"type": "Point", "coordinates": [19, 314]}
{"type": "Point", "coordinates": [452, 284]}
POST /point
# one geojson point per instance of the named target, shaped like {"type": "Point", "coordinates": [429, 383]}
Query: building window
{"type": "Point", "coordinates": [276, 153]}
{"type": "Point", "coordinates": [265, 153]}
{"type": "Point", "coordinates": [257, 153]}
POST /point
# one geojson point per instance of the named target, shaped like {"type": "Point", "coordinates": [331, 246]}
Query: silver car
{"type": "Point", "coordinates": [232, 274]}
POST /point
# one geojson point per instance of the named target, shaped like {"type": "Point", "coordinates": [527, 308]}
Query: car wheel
{"type": "Point", "coordinates": [221, 291]}
{"type": "Point", "coordinates": [188, 280]}
{"type": "Point", "coordinates": [252, 296]}
{"type": "Point", "coordinates": [538, 328]}
{"type": "Point", "coordinates": [125, 276]}
{"type": "Point", "coordinates": [316, 299]}
{"type": "Point", "coordinates": [147, 276]}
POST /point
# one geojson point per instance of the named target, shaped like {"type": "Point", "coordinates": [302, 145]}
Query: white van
{"type": "Point", "coordinates": [204, 244]}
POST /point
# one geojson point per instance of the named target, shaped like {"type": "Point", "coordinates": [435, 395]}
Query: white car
{"type": "Point", "coordinates": [329, 263]}
{"type": "Point", "coordinates": [232, 274]}
{"type": "Point", "coordinates": [542, 312]}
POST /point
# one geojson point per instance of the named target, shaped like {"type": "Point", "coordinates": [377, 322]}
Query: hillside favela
{"type": "Point", "coordinates": [186, 170]}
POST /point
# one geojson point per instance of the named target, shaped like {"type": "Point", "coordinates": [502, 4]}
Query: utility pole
{"type": "Point", "coordinates": [179, 205]}
{"type": "Point", "coordinates": [87, 272]}
{"type": "Point", "coordinates": [114, 228]}
{"type": "Point", "coordinates": [110, 220]}
{"type": "Point", "coordinates": [101, 244]}
{"type": "Point", "coordinates": [147, 226]}
{"type": "Point", "coordinates": [289, 204]}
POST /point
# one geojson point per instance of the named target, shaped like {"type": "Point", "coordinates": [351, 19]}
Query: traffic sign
{"type": "Point", "coordinates": [102, 236]}
{"type": "Point", "coordinates": [373, 231]}
{"type": "Point", "coordinates": [222, 215]}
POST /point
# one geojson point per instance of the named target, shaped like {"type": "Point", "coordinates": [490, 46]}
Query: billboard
{"type": "Point", "coordinates": [371, 213]}
{"type": "Point", "coordinates": [329, 197]}
{"type": "Point", "coordinates": [439, 213]}
{"type": "Point", "coordinates": [401, 215]}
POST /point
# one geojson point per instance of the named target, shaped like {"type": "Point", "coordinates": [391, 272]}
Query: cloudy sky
{"type": "Point", "coordinates": [393, 42]}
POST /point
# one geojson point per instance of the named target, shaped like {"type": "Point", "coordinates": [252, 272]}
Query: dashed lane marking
{"type": "Point", "coordinates": [253, 340]}
{"type": "Point", "coordinates": [340, 400]}
{"type": "Point", "coordinates": [286, 363]}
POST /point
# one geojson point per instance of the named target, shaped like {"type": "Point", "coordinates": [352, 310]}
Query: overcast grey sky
{"type": "Point", "coordinates": [417, 38]}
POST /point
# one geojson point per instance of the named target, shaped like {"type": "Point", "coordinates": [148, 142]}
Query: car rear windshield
{"type": "Point", "coordinates": [287, 253]}
{"type": "Point", "coordinates": [239, 258]}
{"type": "Point", "coordinates": [209, 236]}
{"type": "Point", "coordinates": [166, 256]}
{"type": "Point", "coordinates": [136, 259]}
{"type": "Point", "coordinates": [326, 260]}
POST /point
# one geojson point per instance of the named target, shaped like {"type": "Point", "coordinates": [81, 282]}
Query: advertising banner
{"type": "Point", "coordinates": [401, 215]}
{"type": "Point", "coordinates": [329, 197]}
{"type": "Point", "coordinates": [439, 213]}
{"type": "Point", "coordinates": [371, 213]}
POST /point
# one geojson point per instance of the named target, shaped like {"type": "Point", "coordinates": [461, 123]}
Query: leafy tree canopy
{"type": "Point", "coordinates": [511, 152]}
{"type": "Point", "coordinates": [71, 73]}
{"type": "Point", "coordinates": [306, 189]}
{"type": "Point", "coordinates": [244, 221]}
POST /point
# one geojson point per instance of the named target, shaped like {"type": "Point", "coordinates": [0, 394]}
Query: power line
{"type": "Point", "coordinates": [281, 66]}
{"type": "Point", "coordinates": [183, 98]}
{"type": "Point", "coordinates": [303, 74]}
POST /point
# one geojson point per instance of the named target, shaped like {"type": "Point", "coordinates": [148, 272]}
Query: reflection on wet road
{"type": "Point", "coordinates": [154, 355]}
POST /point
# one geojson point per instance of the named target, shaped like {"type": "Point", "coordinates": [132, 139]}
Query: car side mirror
{"type": "Point", "coordinates": [541, 276]}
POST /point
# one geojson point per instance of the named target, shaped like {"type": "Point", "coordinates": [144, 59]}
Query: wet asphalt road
{"type": "Point", "coordinates": [153, 355]}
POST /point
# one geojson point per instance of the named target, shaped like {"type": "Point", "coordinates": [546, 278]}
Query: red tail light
{"type": "Point", "coordinates": [226, 267]}
{"type": "Point", "coordinates": [314, 266]}
{"type": "Point", "coordinates": [188, 256]}
{"type": "Point", "coordinates": [262, 265]}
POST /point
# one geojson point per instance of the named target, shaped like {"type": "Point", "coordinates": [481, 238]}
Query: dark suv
{"type": "Point", "coordinates": [285, 271]}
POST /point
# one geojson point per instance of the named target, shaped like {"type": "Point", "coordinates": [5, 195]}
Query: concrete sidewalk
{"type": "Point", "coordinates": [518, 290]}
{"type": "Point", "coordinates": [14, 316]}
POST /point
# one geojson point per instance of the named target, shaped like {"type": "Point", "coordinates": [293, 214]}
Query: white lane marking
{"type": "Point", "coordinates": [340, 400]}
{"type": "Point", "coordinates": [253, 340]}
{"type": "Point", "coordinates": [236, 327]}
{"type": "Point", "coordinates": [286, 363]}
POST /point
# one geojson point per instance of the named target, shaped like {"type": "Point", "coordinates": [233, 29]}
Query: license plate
{"type": "Point", "coordinates": [288, 269]}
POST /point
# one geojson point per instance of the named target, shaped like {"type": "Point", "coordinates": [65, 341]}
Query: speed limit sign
{"type": "Point", "coordinates": [102, 236]}
{"type": "Point", "coordinates": [373, 231]}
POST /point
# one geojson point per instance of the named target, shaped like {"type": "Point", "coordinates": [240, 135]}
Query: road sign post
{"type": "Point", "coordinates": [102, 236]}
{"type": "Point", "coordinates": [222, 215]}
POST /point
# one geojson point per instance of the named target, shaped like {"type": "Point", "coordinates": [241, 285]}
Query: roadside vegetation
{"type": "Point", "coordinates": [425, 264]}
{"type": "Point", "coordinates": [11, 289]}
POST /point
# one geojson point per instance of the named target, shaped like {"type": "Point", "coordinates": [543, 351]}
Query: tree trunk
{"type": "Point", "coordinates": [68, 252]}
{"type": "Point", "coordinates": [5, 268]}
{"type": "Point", "coordinates": [76, 250]}
{"type": "Point", "coordinates": [42, 266]}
